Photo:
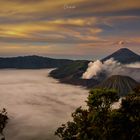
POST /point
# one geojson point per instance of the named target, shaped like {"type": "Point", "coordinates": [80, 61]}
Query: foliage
{"type": "Point", "coordinates": [74, 69]}
{"type": "Point", "coordinates": [3, 121]}
{"type": "Point", "coordinates": [100, 122]}
{"type": "Point", "coordinates": [101, 99]}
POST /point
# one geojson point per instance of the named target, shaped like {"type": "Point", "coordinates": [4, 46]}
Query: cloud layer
{"type": "Point", "coordinates": [36, 104]}
{"type": "Point", "coordinates": [48, 23]}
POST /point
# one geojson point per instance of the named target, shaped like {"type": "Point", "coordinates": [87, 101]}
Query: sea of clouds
{"type": "Point", "coordinates": [36, 104]}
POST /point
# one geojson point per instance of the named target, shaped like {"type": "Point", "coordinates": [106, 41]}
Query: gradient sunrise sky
{"type": "Point", "coordinates": [77, 29]}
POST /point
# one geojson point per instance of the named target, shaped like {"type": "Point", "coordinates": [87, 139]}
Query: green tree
{"type": "Point", "coordinates": [101, 122]}
{"type": "Point", "coordinates": [3, 122]}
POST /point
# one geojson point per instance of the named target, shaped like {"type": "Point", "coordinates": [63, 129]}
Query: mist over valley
{"type": "Point", "coordinates": [36, 104]}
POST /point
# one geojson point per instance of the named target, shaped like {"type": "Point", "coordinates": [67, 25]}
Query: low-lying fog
{"type": "Point", "coordinates": [36, 104]}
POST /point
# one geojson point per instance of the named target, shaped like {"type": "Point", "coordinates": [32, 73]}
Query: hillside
{"type": "Point", "coordinates": [123, 84]}
{"type": "Point", "coordinates": [124, 56]}
{"type": "Point", "coordinates": [74, 70]}
{"type": "Point", "coordinates": [72, 74]}
{"type": "Point", "coordinates": [32, 62]}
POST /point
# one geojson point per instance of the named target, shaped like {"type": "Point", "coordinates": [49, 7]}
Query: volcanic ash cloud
{"type": "Point", "coordinates": [101, 70]}
{"type": "Point", "coordinates": [97, 69]}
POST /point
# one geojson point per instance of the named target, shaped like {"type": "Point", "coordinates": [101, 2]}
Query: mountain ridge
{"type": "Point", "coordinates": [32, 62]}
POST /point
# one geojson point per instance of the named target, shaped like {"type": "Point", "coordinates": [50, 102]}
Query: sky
{"type": "Point", "coordinates": [76, 29]}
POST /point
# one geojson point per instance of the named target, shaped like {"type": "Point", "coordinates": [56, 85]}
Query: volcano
{"type": "Point", "coordinates": [124, 56]}
{"type": "Point", "coordinates": [72, 73]}
{"type": "Point", "coordinates": [122, 84]}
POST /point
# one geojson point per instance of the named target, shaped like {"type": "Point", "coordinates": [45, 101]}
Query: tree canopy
{"type": "Point", "coordinates": [100, 122]}
{"type": "Point", "coordinates": [3, 122]}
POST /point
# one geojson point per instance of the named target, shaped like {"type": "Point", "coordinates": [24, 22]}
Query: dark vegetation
{"type": "Point", "coordinates": [75, 69]}
{"type": "Point", "coordinates": [100, 122]}
{"type": "Point", "coordinates": [3, 122]}
{"type": "Point", "coordinates": [32, 62]}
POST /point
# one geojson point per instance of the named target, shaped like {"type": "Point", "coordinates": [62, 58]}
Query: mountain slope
{"type": "Point", "coordinates": [72, 74]}
{"type": "Point", "coordinates": [124, 56]}
{"type": "Point", "coordinates": [32, 62]}
{"type": "Point", "coordinates": [123, 84]}
{"type": "Point", "coordinates": [74, 69]}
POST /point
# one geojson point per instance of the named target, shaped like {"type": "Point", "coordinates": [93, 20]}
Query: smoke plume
{"type": "Point", "coordinates": [101, 70]}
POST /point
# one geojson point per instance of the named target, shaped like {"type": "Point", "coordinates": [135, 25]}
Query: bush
{"type": "Point", "coordinates": [3, 122]}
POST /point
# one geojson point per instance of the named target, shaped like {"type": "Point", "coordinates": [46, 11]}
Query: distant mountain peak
{"type": "Point", "coordinates": [124, 55]}
{"type": "Point", "coordinates": [124, 50]}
